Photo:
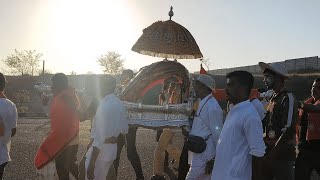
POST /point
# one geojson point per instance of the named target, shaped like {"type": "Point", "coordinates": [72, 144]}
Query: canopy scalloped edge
{"type": "Point", "coordinates": [172, 56]}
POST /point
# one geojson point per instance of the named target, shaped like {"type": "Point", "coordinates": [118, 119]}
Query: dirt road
{"type": "Point", "coordinates": [28, 139]}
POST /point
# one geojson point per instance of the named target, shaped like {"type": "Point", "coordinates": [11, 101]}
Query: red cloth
{"type": "Point", "coordinates": [220, 94]}
{"type": "Point", "coordinates": [155, 83]}
{"type": "Point", "coordinates": [202, 70]}
{"type": "Point", "coordinates": [64, 122]}
{"type": "Point", "coordinates": [313, 131]}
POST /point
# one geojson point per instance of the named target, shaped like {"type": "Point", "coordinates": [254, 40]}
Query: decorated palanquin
{"type": "Point", "coordinates": [170, 115]}
{"type": "Point", "coordinates": [154, 116]}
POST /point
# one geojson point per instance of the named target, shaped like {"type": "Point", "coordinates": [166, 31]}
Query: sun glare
{"type": "Point", "coordinates": [82, 30]}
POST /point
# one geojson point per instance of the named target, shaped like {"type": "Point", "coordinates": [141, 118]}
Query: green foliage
{"type": "Point", "coordinates": [111, 63]}
{"type": "Point", "coordinates": [25, 62]}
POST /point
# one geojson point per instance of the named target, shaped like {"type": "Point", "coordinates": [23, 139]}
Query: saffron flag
{"type": "Point", "coordinates": [202, 70]}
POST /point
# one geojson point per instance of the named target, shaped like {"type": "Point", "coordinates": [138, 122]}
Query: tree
{"type": "Point", "coordinates": [111, 63]}
{"type": "Point", "coordinates": [23, 62]}
{"type": "Point", "coordinates": [4, 71]}
{"type": "Point", "coordinates": [46, 71]}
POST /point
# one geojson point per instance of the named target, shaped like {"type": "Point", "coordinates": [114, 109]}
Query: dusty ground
{"type": "Point", "coordinates": [28, 138]}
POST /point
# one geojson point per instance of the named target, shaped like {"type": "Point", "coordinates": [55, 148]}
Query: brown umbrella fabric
{"type": "Point", "coordinates": [167, 39]}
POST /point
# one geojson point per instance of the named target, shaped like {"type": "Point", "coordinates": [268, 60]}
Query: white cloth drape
{"type": "Point", "coordinates": [48, 172]}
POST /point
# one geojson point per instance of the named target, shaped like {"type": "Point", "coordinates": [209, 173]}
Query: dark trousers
{"type": "Point", "coordinates": [278, 170]}
{"type": "Point", "coordinates": [306, 162]}
{"type": "Point", "coordinates": [66, 163]}
{"type": "Point", "coordinates": [183, 164]}
{"type": "Point", "coordinates": [111, 174]}
{"type": "Point", "coordinates": [2, 167]}
{"type": "Point", "coordinates": [132, 153]}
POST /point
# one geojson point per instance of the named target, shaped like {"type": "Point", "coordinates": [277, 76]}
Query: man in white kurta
{"type": "Point", "coordinates": [242, 134]}
{"type": "Point", "coordinates": [8, 124]}
{"type": "Point", "coordinates": [207, 123]}
{"type": "Point", "coordinates": [109, 122]}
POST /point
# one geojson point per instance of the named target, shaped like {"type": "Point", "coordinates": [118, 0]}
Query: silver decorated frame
{"type": "Point", "coordinates": [157, 116]}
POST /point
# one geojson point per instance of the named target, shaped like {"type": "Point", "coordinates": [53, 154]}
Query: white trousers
{"type": "Point", "coordinates": [199, 161]}
{"type": "Point", "coordinates": [48, 172]}
{"type": "Point", "coordinates": [104, 161]}
{"type": "Point", "coordinates": [101, 169]}
{"type": "Point", "coordinates": [197, 168]}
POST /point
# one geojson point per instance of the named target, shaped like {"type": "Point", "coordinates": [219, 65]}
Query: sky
{"type": "Point", "coordinates": [72, 34]}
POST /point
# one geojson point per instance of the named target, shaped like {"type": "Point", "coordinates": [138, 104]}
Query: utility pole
{"type": "Point", "coordinates": [43, 67]}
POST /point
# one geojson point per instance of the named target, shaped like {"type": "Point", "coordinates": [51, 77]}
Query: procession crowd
{"type": "Point", "coordinates": [256, 137]}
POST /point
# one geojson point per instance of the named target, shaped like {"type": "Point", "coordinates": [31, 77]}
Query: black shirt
{"type": "Point", "coordinates": [276, 119]}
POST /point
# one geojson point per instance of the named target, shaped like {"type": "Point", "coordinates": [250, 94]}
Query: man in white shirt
{"type": "Point", "coordinates": [207, 124]}
{"type": "Point", "coordinates": [241, 139]}
{"type": "Point", "coordinates": [8, 124]}
{"type": "Point", "coordinates": [109, 122]}
{"type": "Point", "coordinates": [257, 104]}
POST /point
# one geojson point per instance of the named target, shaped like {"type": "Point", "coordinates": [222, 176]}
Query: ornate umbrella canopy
{"type": "Point", "coordinates": [153, 74]}
{"type": "Point", "coordinates": [167, 39]}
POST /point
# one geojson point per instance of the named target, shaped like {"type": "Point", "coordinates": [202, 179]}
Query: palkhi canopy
{"type": "Point", "coordinates": [167, 39]}
{"type": "Point", "coordinates": [154, 74]}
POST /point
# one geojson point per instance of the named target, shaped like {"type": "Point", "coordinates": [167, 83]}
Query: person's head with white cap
{"type": "Point", "coordinates": [274, 75]}
{"type": "Point", "coordinates": [203, 85]}
{"type": "Point", "coordinates": [107, 85]}
{"type": "Point", "coordinates": [239, 85]}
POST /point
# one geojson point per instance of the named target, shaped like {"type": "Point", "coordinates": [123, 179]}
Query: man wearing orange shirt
{"type": "Point", "coordinates": [62, 143]}
{"type": "Point", "coordinates": [309, 137]}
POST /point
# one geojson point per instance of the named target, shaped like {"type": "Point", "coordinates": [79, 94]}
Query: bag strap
{"type": "Point", "coordinates": [290, 112]}
{"type": "Point", "coordinates": [197, 114]}
{"type": "Point", "coordinates": [253, 99]}
{"type": "Point", "coordinates": [207, 137]}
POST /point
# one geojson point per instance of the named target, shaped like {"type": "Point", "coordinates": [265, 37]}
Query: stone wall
{"type": "Point", "coordinates": [24, 86]}
{"type": "Point", "coordinates": [292, 65]}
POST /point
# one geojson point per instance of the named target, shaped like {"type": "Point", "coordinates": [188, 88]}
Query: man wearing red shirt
{"type": "Point", "coordinates": [62, 143]}
{"type": "Point", "coordinates": [309, 135]}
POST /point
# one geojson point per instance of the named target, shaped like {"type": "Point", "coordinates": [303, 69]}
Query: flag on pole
{"type": "Point", "coordinates": [202, 70]}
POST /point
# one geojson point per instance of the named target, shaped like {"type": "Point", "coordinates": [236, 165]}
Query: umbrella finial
{"type": "Point", "coordinates": [171, 12]}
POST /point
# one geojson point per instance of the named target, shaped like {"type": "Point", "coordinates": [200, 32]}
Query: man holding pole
{"type": "Point", "coordinates": [279, 124]}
